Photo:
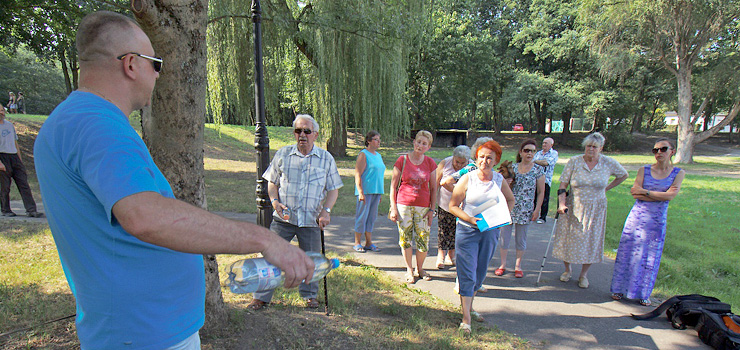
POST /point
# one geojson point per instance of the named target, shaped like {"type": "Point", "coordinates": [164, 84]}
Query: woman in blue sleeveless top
{"type": "Point", "coordinates": [641, 245]}
{"type": "Point", "coordinates": [369, 174]}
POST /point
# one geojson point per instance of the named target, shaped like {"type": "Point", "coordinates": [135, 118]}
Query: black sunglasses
{"type": "Point", "coordinates": [305, 131]}
{"type": "Point", "coordinates": [663, 149]}
{"type": "Point", "coordinates": [156, 61]}
{"type": "Point", "coordinates": [528, 150]}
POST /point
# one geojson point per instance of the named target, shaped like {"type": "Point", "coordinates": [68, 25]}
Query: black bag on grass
{"type": "Point", "coordinates": [720, 331]}
{"type": "Point", "coordinates": [685, 310]}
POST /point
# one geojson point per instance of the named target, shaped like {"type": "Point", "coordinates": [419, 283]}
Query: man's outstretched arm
{"type": "Point", "coordinates": [174, 224]}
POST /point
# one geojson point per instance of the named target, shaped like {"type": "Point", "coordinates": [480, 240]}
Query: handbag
{"type": "Point", "coordinates": [403, 167]}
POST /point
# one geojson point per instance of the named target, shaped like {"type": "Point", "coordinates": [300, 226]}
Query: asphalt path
{"type": "Point", "coordinates": [553, 315]}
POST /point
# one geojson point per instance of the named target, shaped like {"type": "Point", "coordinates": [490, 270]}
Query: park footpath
{"type": "Point", "coordinates": [553, 315]}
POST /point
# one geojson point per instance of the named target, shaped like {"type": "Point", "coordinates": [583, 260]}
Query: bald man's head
{"type": "Point", "coordinates": [547, 144]}
{"type": "Point", "coordinates": [104, 34]}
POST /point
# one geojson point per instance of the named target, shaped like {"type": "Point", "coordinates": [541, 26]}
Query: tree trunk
{"type": "Point", "coordinates": [173, 127]}
{"type": "Point", "coordinates": [566, 127]}
{"type": "Point", "coordinates": [542, 118]}
{"type": "Point", "coordinates": [65, 69]}
{"type": "Point", "coordinates": [685, 144]}
{"type": "Point", "coordinates": [337, 142]}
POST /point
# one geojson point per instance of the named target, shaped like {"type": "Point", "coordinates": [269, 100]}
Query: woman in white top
{"type": "Point", "coordinates": [473, 247]}
{"type": "Point", "coordinates": [445, 220]}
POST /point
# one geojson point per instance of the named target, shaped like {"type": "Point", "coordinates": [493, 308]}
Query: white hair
{"type": "Point", "coordinates": [594, 139]}
{"type": "Point", "coordinates": [461, 151]}
{"type": "Point", "coordinates": [309, 118]}
{"type": "Point", "coordinates": [479, 141]}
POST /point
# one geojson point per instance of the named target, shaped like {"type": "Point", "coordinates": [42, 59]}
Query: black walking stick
{"type": "Point", "coordinates": [326, 293]}
{"type": "Point", "coordinates": [552, 233]}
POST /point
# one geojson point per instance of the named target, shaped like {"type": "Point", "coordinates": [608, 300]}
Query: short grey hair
{"type": "Point", "coordinates": [594, 139]}
{"type": "Point", "coordinates": [479, 141]}
{"type": "Point", "coordinates": [461, 151]}
{"type": "Point", "coordinates": [309, 118]}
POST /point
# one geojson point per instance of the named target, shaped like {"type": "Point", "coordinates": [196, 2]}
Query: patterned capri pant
{"type": "Point", "coordinates": [413, 226]}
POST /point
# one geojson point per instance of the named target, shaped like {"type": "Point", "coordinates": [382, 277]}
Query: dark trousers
{"type": "Point", "coordinates": [545, 203]}
{"type": "Point", "coordinates": [14, 170]}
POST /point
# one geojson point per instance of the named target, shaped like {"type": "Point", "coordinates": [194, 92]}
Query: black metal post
{"type": "Point", "coordinates": [261, 140]}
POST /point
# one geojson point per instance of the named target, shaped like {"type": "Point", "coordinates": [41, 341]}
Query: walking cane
{"type": "Point", "coordinates": [552, 233]}
{"type": "Point", "coordinates": [326, 293]}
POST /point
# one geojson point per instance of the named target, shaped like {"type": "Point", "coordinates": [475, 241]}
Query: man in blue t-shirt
{"type": "Point", "coordinates": [129, 250]}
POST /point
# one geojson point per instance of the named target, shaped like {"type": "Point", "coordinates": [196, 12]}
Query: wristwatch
{"type": "Point", "coordinates": [328, 210]}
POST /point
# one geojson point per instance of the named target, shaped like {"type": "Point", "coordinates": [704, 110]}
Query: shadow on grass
{"type": "Point", "coordinates": [369, 310]}
{"type": "Point", "coordinates": [30, 306]}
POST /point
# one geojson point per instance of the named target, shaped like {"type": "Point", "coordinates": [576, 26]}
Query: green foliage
{"type": "Point", "coordinates": [618, 138]}
{"type": "Point", "coordinates": [42, 83]}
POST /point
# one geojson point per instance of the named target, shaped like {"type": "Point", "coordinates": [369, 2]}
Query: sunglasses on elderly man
{"type": "Point", "coordinates": [297, 131]}
{"type": "Point", "coordinates": [663, 149]}
{"type": "Point", "coordinates": [156, 61]}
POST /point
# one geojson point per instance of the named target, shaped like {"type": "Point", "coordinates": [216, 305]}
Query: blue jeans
{"type": "Point", "coordinates": [473, 252]}
{"type": "Point", "coordinates": [366, 213]}
{"type": "Point", "coordinates": [309, 239]}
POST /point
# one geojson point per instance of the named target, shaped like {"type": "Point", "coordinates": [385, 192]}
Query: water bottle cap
{"type": "Point", "coordinates": [334, 263]}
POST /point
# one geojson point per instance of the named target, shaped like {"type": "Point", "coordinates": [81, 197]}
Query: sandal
{"type": "Point", "coordinates": [475, 316]}
{"type": "Point", "coordinates": [518, 273]}
{"type": "Point", "coordinates": [617, 296]}
{"type": "Point", "coordinates": [499, 272]}
{"type": "Point", "coordinates": [645, 302]}
{"type": "Point", "coordinates": [257, 304]}
{"type": "Point", "coordinates": [312, 303]}
{"type": "Point", "coordinates": [410, 277]}
{"type": "Point", "coordinates": [450, 261]}
{"type": "Point", "coordinates": [465, 328]}
{"type": "Point", "coordinates": [425, 276]}
{"type": "Point", "coordinates": [583, 282]}
{"type": "Point", "coordinates": [359, 248]}
{"type": "Point", "coordinates": [565, 277]}
{"type": "Point", "coordinates": [440, 262]}
{"type": "Point", "coordinates": [482, 289]}
{"type": "Point", "coordinates": [372, 248]}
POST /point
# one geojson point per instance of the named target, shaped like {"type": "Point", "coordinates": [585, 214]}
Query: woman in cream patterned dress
{"type": "Point", "coordinates": [579, 235]}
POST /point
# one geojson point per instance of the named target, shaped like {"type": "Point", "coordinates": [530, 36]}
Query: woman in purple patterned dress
{"type": "Point", "coordinates": [641, 245]}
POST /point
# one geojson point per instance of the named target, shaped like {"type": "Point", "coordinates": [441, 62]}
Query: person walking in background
{"type": "Point", "coordinates": [21, 103]}
{"type": "Point", "coordinates": [12, 169]}
{"type": "Point", "coordinates": [12, 106]}
{"type": "Point", "coordinates": [412, 203]}
{"type": "Point", "coordinates": [131, 252]}
{"type": "Point", "coordinates": [369, 187]}
{"type": "Point", "coordinates": [474, 248]}
{"type": "Point", "coordinates": [530, 180]}
{"type": "Point", "coordinates": [641, 245]}
{"type": "Point", "coordinates": [546, 158]}
{"type": "Point", "coordinates": [445, 220]}
{"type": "Point", "coordinates": [579, 234]}
{"type": "Point", "coordinates": [302, 179]}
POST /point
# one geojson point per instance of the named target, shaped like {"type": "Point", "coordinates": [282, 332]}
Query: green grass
{"type": "Point", "coordinates": [702, 249]}
{"type": "Point", "coordinates": [369, 309]}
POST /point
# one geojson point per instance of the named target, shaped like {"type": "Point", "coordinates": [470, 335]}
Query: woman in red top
{"type": "Point", "coordinates": [412, 201]}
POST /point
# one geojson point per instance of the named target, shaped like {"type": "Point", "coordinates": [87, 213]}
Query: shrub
{"type": "Point", "coordinates": [618, 138]}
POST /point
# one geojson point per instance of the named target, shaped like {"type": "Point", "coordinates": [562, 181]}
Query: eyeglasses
{"type": "Point", "coordinates": [156, 61]}
{"type": "Point", "coordinates": [663, 149]}
{"type": "Point", "coordinates": [528, 150]}
{"type": "Point", "coordinates": [305, 131]}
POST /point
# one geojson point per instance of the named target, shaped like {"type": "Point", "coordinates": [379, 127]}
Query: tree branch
{"type": "Point", "coordinates": [713, 130]}
{"type": "Point", "coordinates": [700, 111]}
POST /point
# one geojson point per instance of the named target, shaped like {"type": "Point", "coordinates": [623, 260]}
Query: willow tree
{"type": "Point", "coordinates": [344, 62]}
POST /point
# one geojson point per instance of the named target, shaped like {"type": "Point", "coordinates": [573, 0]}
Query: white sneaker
{"type": "Point", "coordinates": [540, 221]}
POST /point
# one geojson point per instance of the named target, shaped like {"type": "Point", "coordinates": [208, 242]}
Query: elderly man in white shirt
{"type": "Point", "coordinates": [547, 158]}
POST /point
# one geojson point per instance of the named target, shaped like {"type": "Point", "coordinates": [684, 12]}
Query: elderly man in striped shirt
{"type": "Point", "coordinates": [303, 186]}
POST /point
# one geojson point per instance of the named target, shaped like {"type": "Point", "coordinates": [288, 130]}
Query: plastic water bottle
{"type": "Point", "coordinates": [258, 275]}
